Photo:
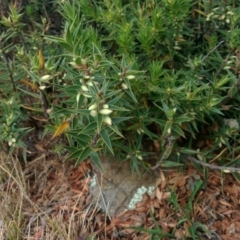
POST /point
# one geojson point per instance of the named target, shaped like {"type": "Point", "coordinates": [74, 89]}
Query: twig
{"type": "Point", "coordinates": [212, 51]}
{"type": "Point", "coordinates": [222, 168]}
{"type": "Point", "coordinates": [165, 154]}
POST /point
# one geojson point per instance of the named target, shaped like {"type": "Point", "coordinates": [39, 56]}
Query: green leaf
{"type": "Point", "coordinates": [71, 149]}
{"type": "Point", "coordinates": [159, 121]}
{"type": "Point", "coordinates": [178, 130]}
{"type": "Point", "coordinates": [223, 81]}
{"type": "Point", "coordinates": [170, 164]}
{"type": "Point", "coordinates": [89, 129]}
{"type": "Point", "coordinates": [116, 108]}
{"type": "Point", "coordinates": [130, 93]}
{"type": "Point", "coordinates": [99, 122]}
{"type": "Point", "coordinates": [75, 154]}
{"type": "Point", "coordinates": [188, 151]}
{"type": "Point", "coordinates": [197, 187]}
{"type": "Point", "coordinates": [95, 157]}
{"type": "Point", "coordinates": [183, 118]}
{"type": "Point", "coordinates": [106, 139]}
{"type": "Point", "coordinates": [116, 99]}
{"type": "Point", "coordinates": [37, 96]}
{"type": "Point", "coordinates": [116, 130]}
{"type": "Point", "coordinates": [215, 110]}
{"type": "Point", "coordinates": [83, 139]}
{"type": "Point", "coordinates": [61, 42]}
{"type": "Point", "coordinates": [167, 127]}
{"type": "Point", "coordinates": [117, 120]}
{"type": "Point", "coordinates": [84, 154]}
{"type": "Point", "coordinates": [84, 112]}
{"type": "Point", "coordinates": [112, 93]}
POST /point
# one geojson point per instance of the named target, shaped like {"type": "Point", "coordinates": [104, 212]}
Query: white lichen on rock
{"type": "Point", "coordinates": [137, 197]}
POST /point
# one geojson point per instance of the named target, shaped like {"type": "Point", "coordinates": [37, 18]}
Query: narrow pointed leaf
{"type": "Point", "coordinates": [85, 153]}
{"type": "Point", "coordinates": [75, 154]}
{"type": "Point", "coordinates": [106, 139]}
{"type": "Point", "coordinates": [99, 122]}
{"type": "Point", "coordinates": [41, 59]}
{"type": "Point", "coordinates": [96, 159]}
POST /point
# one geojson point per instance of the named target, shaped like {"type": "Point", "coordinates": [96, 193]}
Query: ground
{"type": "Point", "coordinates": [48, 198]}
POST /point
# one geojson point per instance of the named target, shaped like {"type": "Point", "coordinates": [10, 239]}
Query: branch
{"type": "Point", "coordinates": [222, 168]}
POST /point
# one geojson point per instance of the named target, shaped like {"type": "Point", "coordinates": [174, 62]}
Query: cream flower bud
{"type": "Point", "coordinates": [93, 113]}
{"type": "Point", "coordinates": [78, 97]}
{"type": "Point", "coordinates": [84, 88]}
{"type": "Point", "coordinates": [105, 106]}
{"type": "Point", "coordinates": [227, 67]}
{"type": "Point", "coordinates": [169, 131]}
{"type": "Point", "coordinates": [90, 83]}
{"type": "Point", "coordinates": [45, 78]}
{"type": "Point", "coordinates": [87, 95]}
{"type": "Point", "coordinates": [124, 86]}
{"type": "Point", "coordinates": [105, 111]}
{"type": "Point", "coordinates": [226, 171]}
{"type": "Point", "coordinates": [49, 110]}
{"type": "Point", "coordinates": [129, 77]}
{"type": "Point", "coordinates": [227, 20]}
{"type": "Point", "coordinates": [42, 87]}
{"type": "Point", "coordinates": [107, 120]}
{"type": "Point", "coordinates": [93, 107]}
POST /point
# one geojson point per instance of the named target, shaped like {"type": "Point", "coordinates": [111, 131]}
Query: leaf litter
{"type": "Point", "coordinates": [51, 199]}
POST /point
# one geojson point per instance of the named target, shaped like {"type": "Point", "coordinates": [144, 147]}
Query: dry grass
{"type": "Point", "coordinates": [41, 201]}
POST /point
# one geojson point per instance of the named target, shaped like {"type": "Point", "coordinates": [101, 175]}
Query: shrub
{"type": "Point", "coordinates": [125, 74]}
